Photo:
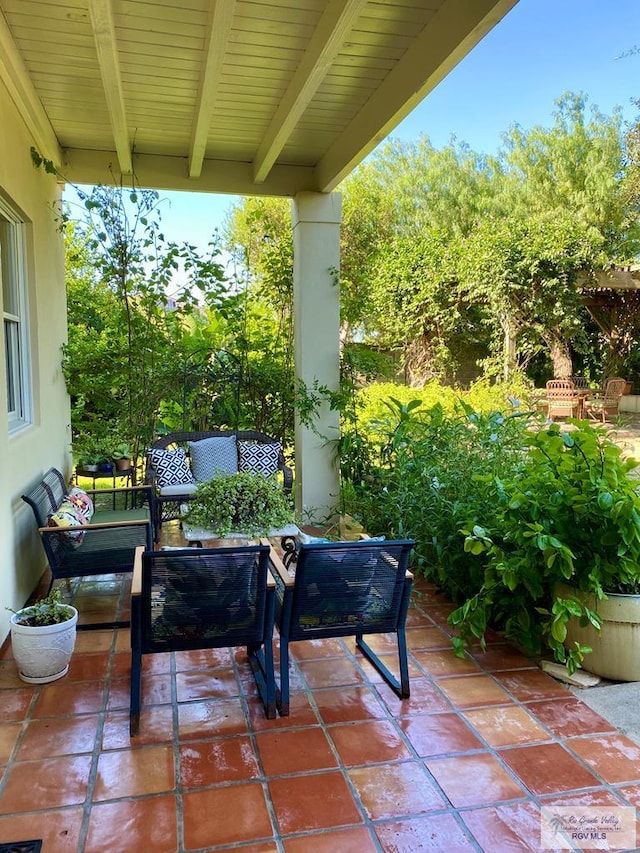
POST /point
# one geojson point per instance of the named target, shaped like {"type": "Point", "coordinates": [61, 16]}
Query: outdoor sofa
{"type": "Point", "coordinates": [178, 461]}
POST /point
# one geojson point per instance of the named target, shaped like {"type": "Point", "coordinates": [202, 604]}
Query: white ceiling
{"type": "Point", "coordinates": [241, 96]}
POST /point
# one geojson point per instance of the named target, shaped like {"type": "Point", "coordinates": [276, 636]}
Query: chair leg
{"type": "Point", "coordinates": [282, 694]}
{"type": "Point", "coordinates": [400, 688]}
{"type": "Point", "coordinates": [404, 664]}
{"type": "Point", "coordinates": [134, 705]}
{"type": "Point", "coordinates": [136, 667]}
{"type": "Point", "coordinates": [261, 661]}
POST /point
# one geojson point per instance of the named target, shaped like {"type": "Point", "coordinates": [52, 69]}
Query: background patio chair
{"type": "Point", "coordinates": [606, 406]}
{"type": "Point", "coordinates": [562, 400]}
{"type": "Point", "coordinates": [203, 598]}
{"type": "Point", "coordinates": [581, 383]}
{"type": "Point", "coordinates": [121, 521]}
{"type": "Point", "coordinates": [345, 589]}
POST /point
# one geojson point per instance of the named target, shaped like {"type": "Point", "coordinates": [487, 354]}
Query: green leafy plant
{"type": "Point", "coordinates": [121, 451]}
{"type": "Point", "coordinates": [504, 509]}
{"type": "Point", "coordinates": [45, 611]}
{"type": "Point", "coordinates": [425, 472]}
{"type": "Point", "coordinates": [90, 450]}
{"type": "Point", "coordinates": [244, 502]}
{"type": "Point", "coordinates": [569, 514]}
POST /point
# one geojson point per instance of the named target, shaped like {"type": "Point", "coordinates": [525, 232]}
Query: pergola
{"type": "Point", "coordinates": [268, 97]}
{"type": "Point", "coordinates": [613, 302]}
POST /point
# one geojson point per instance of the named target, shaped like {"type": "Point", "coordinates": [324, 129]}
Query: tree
{"type": "Point", "coordinates": [121, 272]}
{"type": "Point", "coordinates": [258, 234]}
{"type": "Point", "coordinates": [524, 271]}
{"type": "Point", "coordinates": [577, 166]}
{"type": "Point", "coordinates": [441, 248]}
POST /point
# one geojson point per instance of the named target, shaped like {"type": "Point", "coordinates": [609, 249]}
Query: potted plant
{"type": "Point", "coordinates": [564, 538]}
{"type": "Point", "coordinates": [90, 454]}
{"type": "Point", "coordinates": [122, 456]}
{"type": "Point", "coordinates": [43, 636]}
{"type": "Point", "coordinates": [106, 463]}
{"type": "Point", "coordinates": [86, 453]}
{"type": "Point", "coordinates": [244, 503]}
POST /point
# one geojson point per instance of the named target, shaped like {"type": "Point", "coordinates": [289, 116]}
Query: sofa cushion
{"type": "Point", "coordinates": [259, 458]}
{"type": "Point", "coordinates": [183, 489]}
{"type": "Point", "coordinates": [68, 515]}
{"type": "Point", "coordinates": [81, 500]}
{"type": "Point", "coordinates": [212, 457]}
{"type": "Point", "coordinates": [172, 467]}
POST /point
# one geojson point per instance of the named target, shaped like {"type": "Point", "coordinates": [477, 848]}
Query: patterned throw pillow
{"type": "Point", "coordinates": [68, 515]}
{"type": "Point", "coordinates": [83, 503]}
{"type": "Point", "coordinates": [172, 467]}
{"type": "Point", "coordinates": [259, 458]}
{"type": "Point", "coordinates": [213, 457]}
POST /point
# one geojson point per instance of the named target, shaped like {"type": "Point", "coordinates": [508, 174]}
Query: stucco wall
{"type": "Point", "coordinates": [26, 455]}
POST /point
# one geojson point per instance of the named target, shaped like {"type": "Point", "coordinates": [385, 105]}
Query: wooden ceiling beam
{"type": "Point", "coordinates": [449, 36]}
{"type": "Point", "coordinates": [219, 26]}
{"type": "Point", "coordinates": [104, 33]}
{"type": "Point", "coordinates": [84, 166]}
{"type": "Point", "coordinates": [333, 28]}
{"type": "Point", "coordinates": [15, 76]}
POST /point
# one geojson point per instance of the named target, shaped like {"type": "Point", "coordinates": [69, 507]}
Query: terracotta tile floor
{"type": "Point", "coordinates": [465, 764]}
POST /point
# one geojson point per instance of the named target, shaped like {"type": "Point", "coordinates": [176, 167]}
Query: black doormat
{"type": "Point", "coordinates": [21, 847]}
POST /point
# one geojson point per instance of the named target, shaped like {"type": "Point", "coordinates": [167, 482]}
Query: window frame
{"type": "Point", "coordinates": [14, 289]}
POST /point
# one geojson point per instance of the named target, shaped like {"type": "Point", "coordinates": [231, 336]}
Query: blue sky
{"type": "Point", "coordinates": [539, 51]}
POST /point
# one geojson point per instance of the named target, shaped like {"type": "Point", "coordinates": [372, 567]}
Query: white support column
{"type": "Point", "coordinates": [316, 305]}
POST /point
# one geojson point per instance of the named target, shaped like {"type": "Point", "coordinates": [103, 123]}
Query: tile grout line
{"type": "Point", "coordinates": [97, 747]}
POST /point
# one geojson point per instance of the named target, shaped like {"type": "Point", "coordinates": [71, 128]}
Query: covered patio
{"type": "Point", "coordinates": [469, 762]}
{"type": "Point", "coordinates": [277, 99]}
{"type": "Point", "coordinates": [249, 98]}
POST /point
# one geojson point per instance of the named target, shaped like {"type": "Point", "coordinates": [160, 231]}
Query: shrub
{"type": "Point", "coordinates": [244, 502]}
{"type": "Point", "coordinates": [427, 473]}
{"type": "Point", "coordinates": [503, 508]}
{"type": "Point", "coordinates": [571, 514]}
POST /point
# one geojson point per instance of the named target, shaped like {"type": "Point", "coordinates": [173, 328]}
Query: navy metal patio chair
{"type": "Point", "coordinates": [203, 598]}
{"type": "Point", "coordinates": [343, 589]}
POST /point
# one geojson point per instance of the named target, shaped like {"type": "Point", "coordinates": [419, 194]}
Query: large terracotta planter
{"type": "Point", "coordinates": [616, 649]}
{"type": "Point", "coordinates": [42, 653]}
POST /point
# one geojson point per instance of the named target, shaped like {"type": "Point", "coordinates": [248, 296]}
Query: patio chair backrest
{"type": "Point", "coordinates": [614, 389]}
{"type": "Point", "coordinates": [46, 496]}
{"type": "Point", "coordinates": [197, 598]}
{"type": "Point", "coordinates": [581, 383]}
{"type": "Point", "coordinates": [561, 388]}
{"type": "Point", "coordinates": [561, 398]}
{"type": "Point", "coordinates": [203, 598]}
{"type": "Point", "coordinates": [344, 588]}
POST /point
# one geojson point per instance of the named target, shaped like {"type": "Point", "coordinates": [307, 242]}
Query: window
{"type": "Point", "coordinates": [14, 299]}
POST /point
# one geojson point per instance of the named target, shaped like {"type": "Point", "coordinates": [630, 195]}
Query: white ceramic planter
{"type": "Point", "coordinates": [43, 653]}
{"type": "Point", "coordinates": [616, 649]}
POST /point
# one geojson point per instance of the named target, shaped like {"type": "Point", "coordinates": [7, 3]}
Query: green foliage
{"type": "Point", "coordinates": [524, 271]}
{"type": "Point", "coordinates": [570, 513]}
{"type": "Point", "coordinates": [91, 449]}
{"type": "Point", "coordinates": [120, 270]}
{"type": "Point", "coordinates": [138, 364]}
{"type": "Point", "coordinates": [258, 235]}
{"type": "Point", "coordinates": [425, 472]}
{"type": "Point", "coordinates": [243, 502]}
{"type": "Point", "coordinates": [121, 451]}
{"type": "Point", "coordinates": [575, 166]}
{"type": "Point", "coordinates": [503, 509]}
{"type": "Point", "coordinates": [483, 396]}
{"type": "Point", "coordinates": [45, 611]}
{"type": "Point", "coordinates": [456, 262]}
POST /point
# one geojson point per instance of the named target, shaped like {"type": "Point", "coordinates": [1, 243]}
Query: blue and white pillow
{"type": "Point", "coordinates": [259, 458]}
{"type": "Point", "coordinates": [213, 457]}
{"type": "Point", "coordinates": [172, 467]}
